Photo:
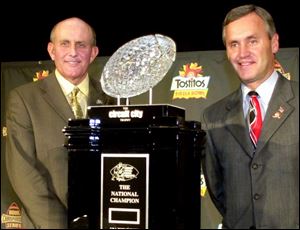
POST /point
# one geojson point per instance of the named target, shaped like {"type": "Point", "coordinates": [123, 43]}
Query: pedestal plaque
{"type": "Point", "coordinates": [124, 190]}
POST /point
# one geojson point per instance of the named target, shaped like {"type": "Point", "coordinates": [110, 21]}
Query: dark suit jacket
{"type": "Point", "coordinates": [254, 189]}
{"type": "Point", "coordinates": [36, 159]}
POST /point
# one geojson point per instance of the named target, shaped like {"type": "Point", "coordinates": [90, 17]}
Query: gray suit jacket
{"type": "Point", "coordinates": [36, 160]}
{"type": "Point", "coordinates": [254, 189]}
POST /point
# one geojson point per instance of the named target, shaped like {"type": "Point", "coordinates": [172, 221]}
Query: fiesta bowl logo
{"type": "Point", "coordinates": [40, 75]}
{"type": "Point", "coordinates": [280, 69]}
{"type": "Point", "coordinates": [203, 185]}
{"type": "Point", "coordinates": [12, 217]}
{"type": "Point", "coordinates": [190, 83]}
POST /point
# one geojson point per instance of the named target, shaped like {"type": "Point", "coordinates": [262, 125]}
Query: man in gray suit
{"type": "Point", "coordinates": [37, 162]}
{"type": "Point", "coordinates": [254, 184]}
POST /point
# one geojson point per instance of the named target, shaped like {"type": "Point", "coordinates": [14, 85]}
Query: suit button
{"type": "Point", "coordinates": [255, 166]}
{"type": "Point", "coordinates": [256, 196]}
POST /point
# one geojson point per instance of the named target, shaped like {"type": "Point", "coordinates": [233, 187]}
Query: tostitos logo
{"type": "Point", "coordinates": [190, 83]}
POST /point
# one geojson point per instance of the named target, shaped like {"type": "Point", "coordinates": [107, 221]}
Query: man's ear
{"type": "Point", "coordinates": [51, 51]}
{"type": "Point", "coordinates": [95, 51]}
{"type": "Point", "coordinates": [275, 43]}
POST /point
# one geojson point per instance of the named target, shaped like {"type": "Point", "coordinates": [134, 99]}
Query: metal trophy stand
{"type": "Point", "coordinates": [127, 99]}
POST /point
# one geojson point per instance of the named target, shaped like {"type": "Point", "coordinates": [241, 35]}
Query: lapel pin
{"type": "Point", "coordinates": [278, 113]}
{"type": "Point", "coordinates": [99, 102]}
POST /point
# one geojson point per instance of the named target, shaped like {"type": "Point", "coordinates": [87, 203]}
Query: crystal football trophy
{"type": "Point", "coordinates": [138, 66]}
{"type": "Point", "coordinates": [125, 149]}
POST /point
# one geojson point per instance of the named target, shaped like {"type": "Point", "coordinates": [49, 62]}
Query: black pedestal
{"type": "Point", "coordinates": [134, 167]}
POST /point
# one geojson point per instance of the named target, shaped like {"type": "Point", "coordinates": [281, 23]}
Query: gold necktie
{"type": "Point", "coordinates": [75, 104]}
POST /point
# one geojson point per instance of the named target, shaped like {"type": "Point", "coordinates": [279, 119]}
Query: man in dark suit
{"type": "Point", "coordinates": [37, 162]}
{"type": "Point", "coordinates": [254, 184]}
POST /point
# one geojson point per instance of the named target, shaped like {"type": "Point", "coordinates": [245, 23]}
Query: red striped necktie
{"type": "Point", "coordinates": [254, 117]}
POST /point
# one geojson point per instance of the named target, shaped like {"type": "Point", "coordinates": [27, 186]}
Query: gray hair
{"type": "Point", "coordinates": [241, 11]}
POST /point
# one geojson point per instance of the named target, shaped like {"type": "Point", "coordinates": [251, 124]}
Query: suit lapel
{"type": "Point", "coordinates": [278, 110]}
{"type": "Point", "coordinates": [97, 95]}
{"type": "Point", "coordinates": [236, 124]}
{"type": "Point", "coordinates": [94, 94]}
{"type": "Point", "coordinates": [55, 97]}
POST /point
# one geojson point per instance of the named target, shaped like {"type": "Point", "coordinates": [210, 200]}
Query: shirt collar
{"type": "Point", "coordinates": [67, 86]}
{"type": "Point", "coordinates": [264, 90]}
